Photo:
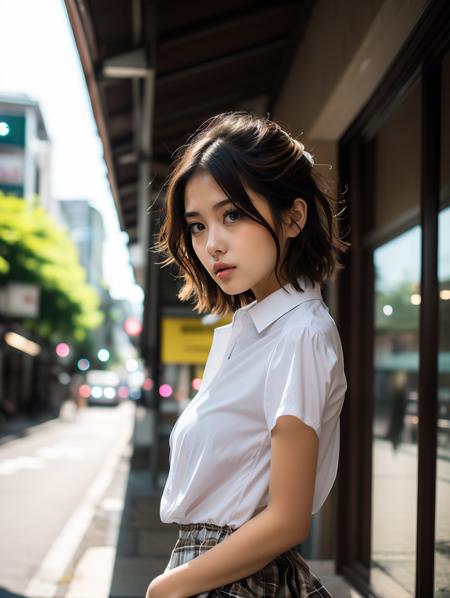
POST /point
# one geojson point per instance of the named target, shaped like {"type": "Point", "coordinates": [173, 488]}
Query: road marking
{"type": "Point", "coordinates": [60, 450]}
{"type": "Point", "coordinates": [9, 466]}
{"type": "Point", "coordinates": [46, 581]}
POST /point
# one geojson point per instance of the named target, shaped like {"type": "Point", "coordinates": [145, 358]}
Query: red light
{"type": "Point", "coordinates": [84, 391]}
{"type": "Point", "coordinates": [62, 350]}
{"type": "Point", "coordinates": [196, 383]}
{"type": "Point", "coordinates": [123, 392]}
{"type": "Point", "coordinates": [132, 326]}
{"type": "Point", "coordinates": [165, 390]}
{"type": "Point", "coordinates": [148, 384]}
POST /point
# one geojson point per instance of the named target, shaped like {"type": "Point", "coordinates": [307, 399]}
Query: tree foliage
{"type": "Point", "coordinates": [35, 249]}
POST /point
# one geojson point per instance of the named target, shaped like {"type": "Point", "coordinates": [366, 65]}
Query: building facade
{"type": "Point", "coordinates": [24, 151]}
{"type": "Point", "coordinates": [379, 113]}
{"type": "Point", "coordinates": [85, 226]}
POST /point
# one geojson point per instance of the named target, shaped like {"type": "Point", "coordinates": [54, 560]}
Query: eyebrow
{"type": "Point", "coordinates": [215, 207]}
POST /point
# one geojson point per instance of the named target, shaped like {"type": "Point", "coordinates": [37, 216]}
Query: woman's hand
{"type": "Point", "coordinates": [162, 587]}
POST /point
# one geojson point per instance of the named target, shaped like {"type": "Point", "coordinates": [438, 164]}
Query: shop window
{"type": "Point", "coordinates": [396, 351]}
{"type": "Point", "coordinates": [395, 423]}
{"type": "Point", "coordinates": [442, 526]}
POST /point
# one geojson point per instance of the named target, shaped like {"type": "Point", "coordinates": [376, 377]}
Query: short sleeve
{"type": "Point", "coordinates": [299, 378]}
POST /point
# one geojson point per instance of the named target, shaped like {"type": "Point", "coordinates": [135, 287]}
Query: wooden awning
{"type": "Point", "coordinates": [157, 70]}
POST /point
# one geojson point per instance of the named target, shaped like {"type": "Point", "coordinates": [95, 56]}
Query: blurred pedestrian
{"type": "Point", "coordinates": [74, 391]}
{"type": "Point", "coordinates": [251, 225]}
{"type": "Point", "coordinates": [398, 409]}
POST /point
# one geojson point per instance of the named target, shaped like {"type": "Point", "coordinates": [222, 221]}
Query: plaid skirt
{"type": "Point", "coordinates": [286, 576]}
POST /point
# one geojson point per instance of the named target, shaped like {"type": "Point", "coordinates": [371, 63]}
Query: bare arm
{"type": "Point", "coordinates": [283, 524]}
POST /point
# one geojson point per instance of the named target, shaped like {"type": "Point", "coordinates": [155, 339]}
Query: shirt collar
{"type": "Point", "coordinates": [275, 305]}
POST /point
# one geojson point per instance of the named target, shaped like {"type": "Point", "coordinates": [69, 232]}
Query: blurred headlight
{"type": "Point", "coordinates": [109, 392]}
{"type": "Point", "coordinates": [96, 392]}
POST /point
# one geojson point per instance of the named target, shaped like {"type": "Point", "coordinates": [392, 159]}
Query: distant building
{"type": "Point", "coordinates": [24, 150]}
{"type": "Point", "coordinates": [85, 224]}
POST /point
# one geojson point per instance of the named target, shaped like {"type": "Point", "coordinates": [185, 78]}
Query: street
{"type": "Point", "coordinates": [50, 482]}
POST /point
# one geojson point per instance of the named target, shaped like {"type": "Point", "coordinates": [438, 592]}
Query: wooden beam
{"type": "Point", "coordinates": [226, 61]}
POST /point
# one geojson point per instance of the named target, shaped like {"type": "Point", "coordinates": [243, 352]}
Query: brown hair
{"type": "Point", "coordinates": [237, 149]}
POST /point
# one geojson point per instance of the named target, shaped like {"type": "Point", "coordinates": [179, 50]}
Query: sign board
{"type": "Point", "coordinates": [186, 340]}
{"type": "Point", "coordinates": [12, 153]}
{"type": "Point", "coordinates": [21, 300]}
{"type": "Point", "coordinates": [12, 129]}
{"type": "Point", "coordinates": [12, 166]}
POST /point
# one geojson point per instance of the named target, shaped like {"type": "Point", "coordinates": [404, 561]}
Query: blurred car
{"type": "Point", "coordinates": [102, 388]}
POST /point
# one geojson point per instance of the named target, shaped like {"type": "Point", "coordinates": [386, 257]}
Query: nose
{"type": "Point", "coordinates": [215, 241]}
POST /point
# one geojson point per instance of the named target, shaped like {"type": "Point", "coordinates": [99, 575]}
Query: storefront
{"type": "Point", "coordinates": [394, 526]}
{"type": "Point", "coordinates": [380, 112]}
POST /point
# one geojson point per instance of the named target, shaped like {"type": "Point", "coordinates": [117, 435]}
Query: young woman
{"type": "Point", "coordinates": [251, 225]}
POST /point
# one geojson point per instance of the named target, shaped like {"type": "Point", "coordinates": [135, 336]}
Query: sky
{"type": "Point", "coordinates": [40, 59]}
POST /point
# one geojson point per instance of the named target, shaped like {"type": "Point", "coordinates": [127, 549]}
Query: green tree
{"type": "Point", "coordinates": [405, 315]}
{"type": "Point", "coordinates": [35, 249]}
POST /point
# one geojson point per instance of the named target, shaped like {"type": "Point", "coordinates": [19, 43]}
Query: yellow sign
{"type": "Point", "coordinates": [187, 340]}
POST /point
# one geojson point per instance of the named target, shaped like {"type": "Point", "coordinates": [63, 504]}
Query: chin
{"type": "Point", "coordinates": [234, 289]}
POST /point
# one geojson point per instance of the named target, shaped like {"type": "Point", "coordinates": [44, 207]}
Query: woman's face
{"type": "Point", "coordinates": [220, 232]}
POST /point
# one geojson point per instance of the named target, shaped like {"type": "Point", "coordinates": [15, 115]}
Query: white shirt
{"type": "Point", "coordinates": [279, 356]}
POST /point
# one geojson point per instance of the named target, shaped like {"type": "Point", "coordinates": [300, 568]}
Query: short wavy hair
{"type": "Point", "coordinates": [238, 148]}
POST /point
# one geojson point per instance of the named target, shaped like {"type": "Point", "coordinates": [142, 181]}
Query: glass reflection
{"type": "Point", "coordinates": [442, 527]}
{"type": "Point", "coordinates": [395, 423]}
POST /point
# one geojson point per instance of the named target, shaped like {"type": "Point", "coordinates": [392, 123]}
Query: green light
{"type": "Point", "coordinates": [103, 355]}
{"type": "Point", "coordinates": [4, 129]}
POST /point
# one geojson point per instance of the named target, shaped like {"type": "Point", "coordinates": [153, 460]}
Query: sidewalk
{"type": "Point", "coordinates": [127, 545]}
{"type": "Point", "coordinates": [145, 543]}
{"type": "Point", "coordinates": [23, 426]}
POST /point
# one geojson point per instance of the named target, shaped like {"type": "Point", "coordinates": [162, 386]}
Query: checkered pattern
{"type": "Point", "coordinates": [286, 576]}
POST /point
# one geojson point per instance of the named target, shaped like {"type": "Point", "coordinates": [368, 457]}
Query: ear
{"type": "Point", "coordinates": [295, 218]}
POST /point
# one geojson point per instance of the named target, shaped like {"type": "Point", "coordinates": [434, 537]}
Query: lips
{"type": "Point", "coordinates": [220, 266]}
{"type": "Point", "coordinates": [225, 268]}
{"type": "Point", "coordinates": [225, 273]}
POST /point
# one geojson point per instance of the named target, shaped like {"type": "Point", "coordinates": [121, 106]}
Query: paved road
{"type": "Point", "coordinates": [44, 478]}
